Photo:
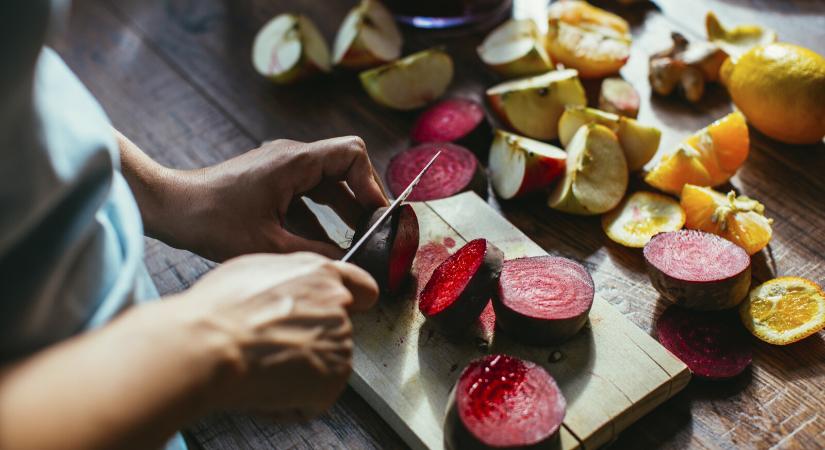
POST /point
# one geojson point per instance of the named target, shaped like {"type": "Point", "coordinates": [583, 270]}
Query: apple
{"type": "Point", "coordinates": [586, 38]}
{"type": "Point", "coordinates": [639, 142]}
{"type": "Point", "coordinates": [520, 165]}
{"type": "Point", "coordinates": [288, 48]}
{"type": "Point", "coordinates": [532, 106]}
{"type": "Point", "coordinates": [368, 37]}
{"type": "Point", "coordinates": [619, 97]}
{"type": "Point", "coordinates": [410, 82]}
{"type": "Point", "coordinates": [515, 49]}
{"type": "Point", "coordinates": [595, 177]}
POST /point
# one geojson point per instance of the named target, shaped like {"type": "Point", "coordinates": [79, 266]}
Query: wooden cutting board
{"type": "Point", "coordinates": [611, 373]}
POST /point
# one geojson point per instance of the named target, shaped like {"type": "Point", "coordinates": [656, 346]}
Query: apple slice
{"type": "Point", "coordinates": [532, 106]}
{"type": "Point", "coordinates": [639, 142]}
{"type": "Point", "coordinates": [595, 178]}
{"type": "Point", "coordinates": [288, 48]}
{"type": "Point", "coordinates": [520, 165]}
{"type": "Point", "coordinates": [619, 97]}
{"type": "Point", "coordinates": [515, 49]}
{"type": "Point", "coordinates": [368, 37]}
{"type": "Point", "coordinates": [410, 82]}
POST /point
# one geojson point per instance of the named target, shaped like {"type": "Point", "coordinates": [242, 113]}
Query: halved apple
{"type": "Point", "coordinates": [595, 178]}
{"type": "Point", "coordinates": [368, 37]}
{"type": "Point", "coordinates": [520, 165]}
{"type": "Point", "coordinates": [288, 48]}
{"type": "Point", "coordinates": [515, 49]}
{"type": "Point", "coordinates": [619, 97]}
{"type": "Point", "coordinates": [532, 106]}
{"type": "Point", "coordinates": [639, 142]}
{"type": "Point", "coordinates": [586, 38]}
{"type": "Point", "coordinates": [410, 82]}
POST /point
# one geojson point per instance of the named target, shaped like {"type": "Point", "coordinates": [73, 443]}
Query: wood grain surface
{"type": "Point", "coordinates": [175, 76]}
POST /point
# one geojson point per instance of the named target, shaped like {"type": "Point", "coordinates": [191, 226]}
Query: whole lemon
{"type": "Point", "coordinates": [780, 88]}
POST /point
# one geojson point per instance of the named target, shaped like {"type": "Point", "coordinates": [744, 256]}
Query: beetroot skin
{"type": "Point", "coordinates": [388, 254]}
{"type": "Point", "coordinates": [456, 170]}
{"type": "Point", "coordinates": [712, 344]}
{"type": "Point", "coordinates": [461, 286]}
{"type": "Point", "coordinates": [698, 270]}
{"type": "Point", "coordinates": [543, 300]}
{"type": "Point", "coordinates": [455, 120]}
{"type": "Point", "coordinates": [503, 402]}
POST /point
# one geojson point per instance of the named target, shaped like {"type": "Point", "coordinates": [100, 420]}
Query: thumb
{"type": "Point", "coordinates": [361, 285]}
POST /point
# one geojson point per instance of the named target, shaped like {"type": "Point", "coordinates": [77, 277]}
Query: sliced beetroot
{"type": "Point", "coordinates": [487, 325]}
{"type": "Point", "coordinates": [712, 344]}
{"type": "Point", "coordinates": [454, 120]}
{"type": "Point", "coordinates": [544, 299]}
{"type": "Point", "coordinates": [388, 254]}
{"type": "Point", "coordinates": [456, 170]}
{"type": "Point", "coordinates": [461, 286]}
{"type": "Point", "coordinates": [698, 270]}
{"type": "Point", "coordinates": [503, 402]}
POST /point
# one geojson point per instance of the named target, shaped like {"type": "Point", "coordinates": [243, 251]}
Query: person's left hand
{"type": "Point", "coordinates": [246, 204]}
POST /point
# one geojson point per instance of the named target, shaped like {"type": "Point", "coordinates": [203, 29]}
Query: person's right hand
{"type": "Point", "coordinates": [283, 323]}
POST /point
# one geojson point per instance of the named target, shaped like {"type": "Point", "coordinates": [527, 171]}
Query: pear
{"type": "Point", "coordinates": [515, 49]}
{"type": "Point", "coordinates": [368, 37]}
{"type": "Point", "coordinates": [520, 165]}
{"type": "Point", "coordinates": [289, 48]}
{"type": "Point", "coordinates": [410, 82]}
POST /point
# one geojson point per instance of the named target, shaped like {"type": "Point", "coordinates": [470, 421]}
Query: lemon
{"type": "Point", "coordinates": [780, 88]}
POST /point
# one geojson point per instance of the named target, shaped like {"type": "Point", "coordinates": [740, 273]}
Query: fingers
{"type": "Point", "coordinates": [338, 196]}
{"type": "Point", "coordinates": [287, 242]}
{"type": "Point", "coordinates": [363, 287]}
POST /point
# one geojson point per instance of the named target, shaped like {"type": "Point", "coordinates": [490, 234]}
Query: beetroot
{"type": "Point", "coordinates": [503, 402]}
{"type": "Point", "coordinates": [454, 120]}
{"type": "Point", "coordinates": [712, 344]}
{"type": "Point", "coordinates": [698, 270]}
{"type": "Point", "coordinates": [388, 254]}
{"type": "Point", "coordinates": [456, 170]}
{"type": "Point", "coordinates": [544, 299]}
{"type": "Point", "coordinates": [461, 286]}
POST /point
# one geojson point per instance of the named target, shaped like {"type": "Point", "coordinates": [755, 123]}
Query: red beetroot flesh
{"type": "Point", "coordinates": [543, 299]}
{"type": "Point", "coordinates": [456, 170]}
{"type": "Point", "coordinates": [404, 247]}
{"type": "Point", "coordinates": [461, 286]}
{"type": "Point", "coordinates": [698, 270]}
{"type": "Point", "coordinates": [388, 254]}
{"type": "Point", "coordinates": [503, 402]}
{"type": "Point", "coordinates": [454, 120]}
{"type": "Point", "coordinates": [712, 344]}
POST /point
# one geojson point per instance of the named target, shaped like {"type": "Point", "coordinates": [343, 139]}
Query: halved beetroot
{"type": "Point", "coordinates": [712, 344]}
{"type": "Point", "coordinates": [698, 270]}
{"type": "Point", "coordinates": [544, 299]}
{"type": "Point", "coordinates": [501, 402]}
{"type": "Point", "coordinates": [388, 254]}
{"type": "Point", "coordinates": [456, 120]}
{"type": "Point", "coordinates": [461, 286]}
{"type": "Point", "coordinates": [456, 170]}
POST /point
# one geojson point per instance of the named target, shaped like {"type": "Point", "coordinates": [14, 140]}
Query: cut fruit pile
{"type": "Point", "coordinates": [456, 170]}
{"type": "Point", "coordinates": [641, 216]}
{"type": "Point", "coordinates": [410, 82]}
{"type": "Point", "coordinates": [685, 67]}
{"type": "Point", "coordinates": [515, 49]}
{"type": "Point", "coordinates": [520, 165]}
{"type": "Point", "coordinates": [784, 310]}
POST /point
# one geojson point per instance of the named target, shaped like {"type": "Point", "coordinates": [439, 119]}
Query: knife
{"type": "Point", "coordinates": [388, 212]}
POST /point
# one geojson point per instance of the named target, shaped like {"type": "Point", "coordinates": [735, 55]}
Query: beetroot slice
{"type": "Point", "coordinates": [501, 401]}
{"type": "Point", "coordinates": [698, 270]}
{"type": "Point", "coordinates": [712, 344]}
{"type": "Point", "coordinates": [544, 299]}
{"type": "Point", "coordinates": [388, 254]}
{"type": "Point", "coordinates": [454, 120]}
{"type": "Point", "coordinates": [456, 170]}
{"type": "Point", "coordinates": [461, 286]}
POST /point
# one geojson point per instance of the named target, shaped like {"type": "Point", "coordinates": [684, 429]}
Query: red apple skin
{"type": "Point", "coordinates": [539, 173]}
{"type": "Point", "coordinates": [497, 105]}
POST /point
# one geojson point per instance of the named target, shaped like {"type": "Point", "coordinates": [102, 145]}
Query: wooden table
{"type": "Point", "coordinates": [175, 76]}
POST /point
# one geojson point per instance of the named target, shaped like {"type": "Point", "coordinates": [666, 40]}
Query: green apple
{"type": "Point", "coordinates": [532, 106]}
{"type": "Point", "coordinates": [368, 37]}
{"type": "Point", "coordinates": [288, 48]}
{"type": "Point", "coordinates": [410, 82]}
{"type": "Point", "coordinates": [638, 141]}
{"type": "Point", "coordinates": [596, 176]}
{"type": "Point", "coordinates": [520, 165]}
{"type": "Point", "coordinates": [515, 49]}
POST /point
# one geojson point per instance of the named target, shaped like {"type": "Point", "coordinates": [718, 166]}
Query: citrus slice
{"type": "Point", "coordinates": [709, 157]}
{"type": "Point", "coordinates": [784, 310]}
{"type": "Point", "coordinates": [739, 219]}
{"type": "Point", "coordinates": [737, 40]}
{"type": "Point", "coordinates": [641, 216]}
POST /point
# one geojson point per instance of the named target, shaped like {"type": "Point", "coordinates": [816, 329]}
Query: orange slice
{"type": "Point", "coordinates": [641, 216]}
{"type": "Point", "coordinates": [784, 310]}
{"type": "Point", "coordinates": [739, 219]}
{"type": "Point", "coordinates": [709, 157]}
